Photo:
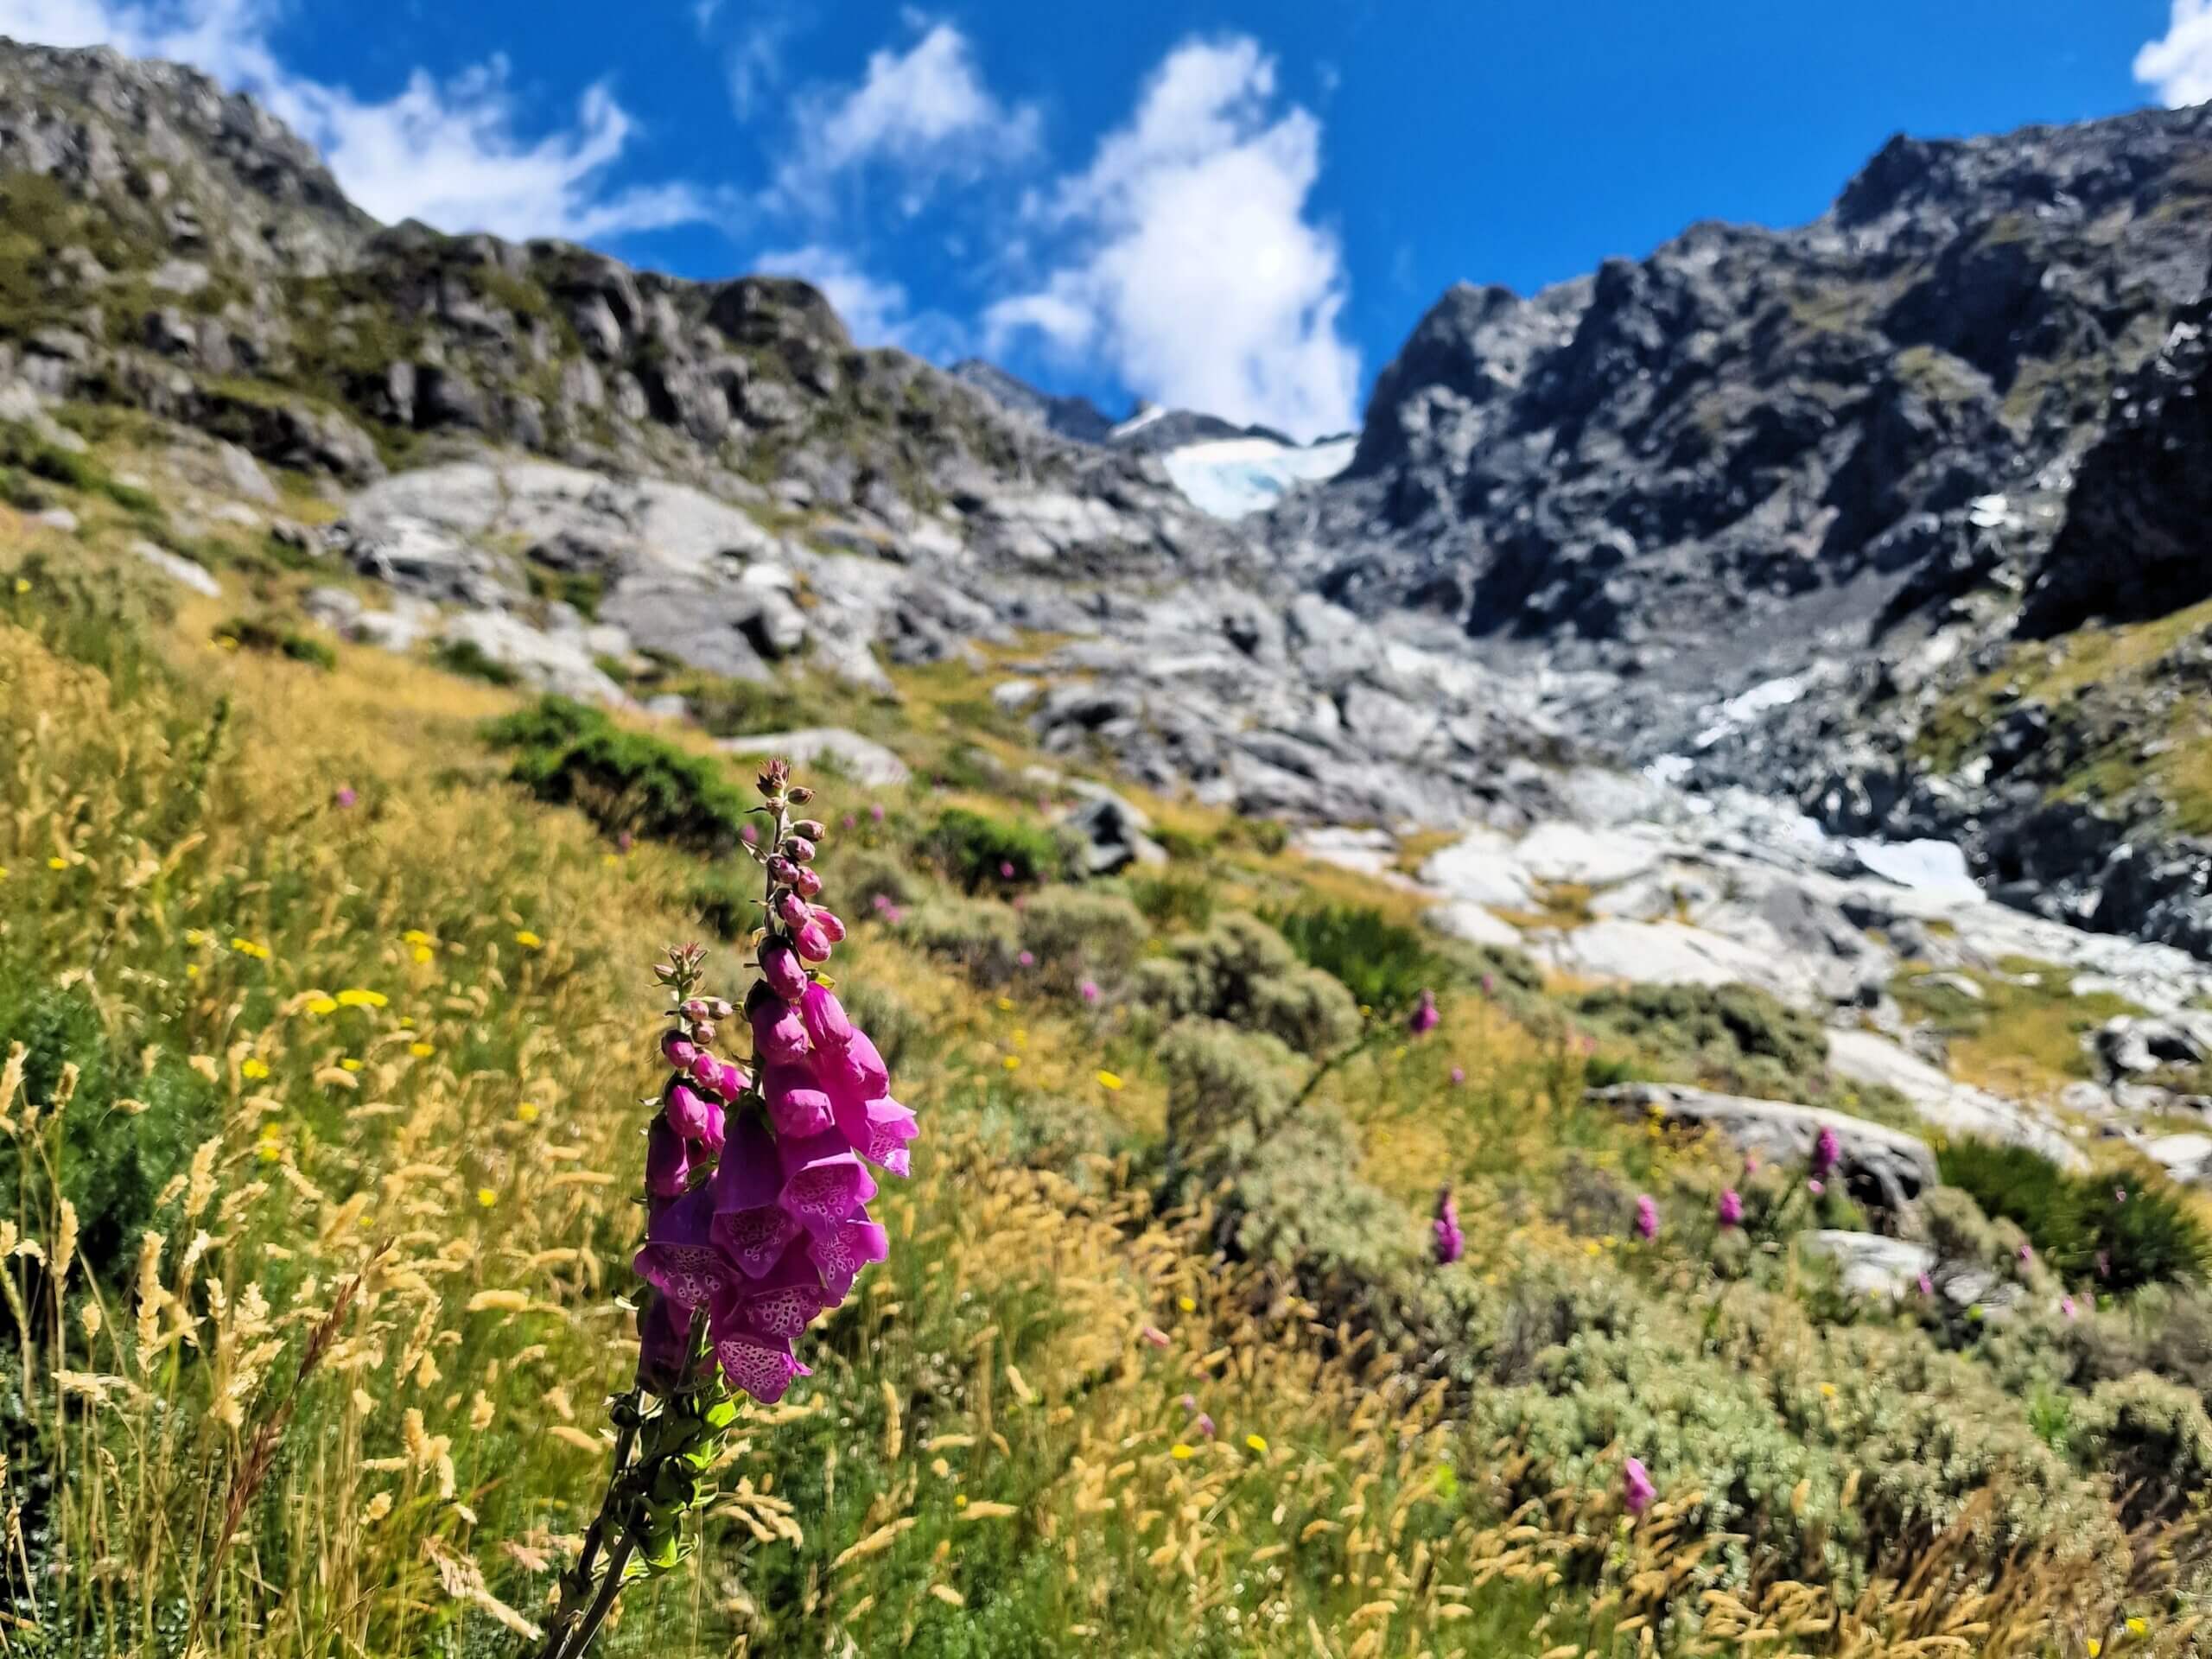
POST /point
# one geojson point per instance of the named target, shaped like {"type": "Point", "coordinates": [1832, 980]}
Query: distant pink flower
{"type": "Point", "coordinates": [748, 835]}
{"type": "Point", "coordinates": [344, 796]}
{"type": "Point", "coordinates": [1732, 1208]}
{"type": "Point", "coordinates": [1450, 1243]}
{"type": "Point", "coordinates": [1927, 1286]}
{"type": "Point", "coordinates": [1426, 1018]}
{"type": "Point", "coordinates": [1458, 1076]}
{"type": "Point", "coordinates": [1826, 1149]}
{"type": "Point", "coordinates": [1155, 1335]}
{"type": "Point", "coordinates": [1088, 990]}
{"type": "Point", "coordinates": [1647, 1217]}
{"type": "Point", "coordinates": [876, 812]}
{"type": "Point", "coordinates": [2066, 1305]}
{"type": "Point", "coordinates": [624, 842]}
{"type": "Point", "coordinates": [1028, 959]}
{"type": "Point", "coordinates": [2119, 1195]}
{"type": "Point", "coordinates": [1816, 1187]}
{"type": "Point", "coordinates": [1636, 1490]}
{"type": "Point", "coordinates": [1005, 869]}
{"type": "Point", "coordinates": [1490, 984]}
{"type": "Point", "coordinates": [2026, 1254]}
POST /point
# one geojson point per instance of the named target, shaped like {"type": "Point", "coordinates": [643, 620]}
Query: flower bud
{"type": "Point", "coordinates": [799, 848]}
{"type": "Point", "coordinates": [798, 794]}
{"type": "Point", "coordinates": [792, 910]}
{"type": "Point", "coordinates": [812, 943]}
{"type": "Point", "coordinates": [668, 1161]}
{"type": "Point", "coordinates": [694, 1009]}
{"type": "Point", "coordinates": [686, 1111]}
{"type": "Point", "coordinates": [780, 969]}
{"type": "Point", "coordinates": [783, 872]}
{"type": "Point", "coordinates": [832, 929]}
{"type": "Point", "coordinates": [774, 777]}
{"type": "Point", "coordinates": [704, 1032]}
{"type": "Point", "coordinates": [678, 1050]}
{"type": "Point", "coordinates": [812, 829]}
{"type": "Point", "coordinates": [807, 884]}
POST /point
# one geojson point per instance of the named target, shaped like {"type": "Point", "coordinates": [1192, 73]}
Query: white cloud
{"type": "Point", "coordinates": [875, 312]}
{"type": "Point", "coordinates": [2179, 67]}
{"type": "Point", "coordinates": [448, 153]}
{"type": "Point", "coordinates": [1195, 272]}
{"type": "Point", "coordinates": [926, 112]}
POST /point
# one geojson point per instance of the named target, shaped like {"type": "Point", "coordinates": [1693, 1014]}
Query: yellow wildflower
{"type": "Point", "coordinates": [528, 940]}
{"type": "Point", "coordinates": [422, 1050]}
{"type": "Point", "coordinates": [1186, 1304]}
{"type": "Point", "coordinates": [423, 953]}
{"type": "Point", "coordinates": [1178, 1452]}
{"type": "Point", "coordinates": [254, 1069]}
{"type": "Point", "coordinates": [1257, 1442]}
{"type": "Point", "coordinates": [349, 1064]}
{"type": "Point", "coordinates": [414, 936]}
{"type": "Point", "coordinates": [527, 1111]}
{"type": "Point", "coordinates": [57, 862]}
{"type": "Point", "coordinates": [2138, 1627]}
{"type": "Point", "coordinates": [1011, 1062]}
{"type": "Point", "coordinates": [357, 998]}
{"type": "Point", "coordinates": [1109, 1080]}
{"type": "Point", "coordinates": [22, 584]}
{"type": "Point", "coordinates": [246, 947]}
{"type": "Point", "coordinates": [486, 1197]}
{"type": "Point", "coordinates": [1006, 1005]}
{"type": "Point", "coordinates": [323, 1004]}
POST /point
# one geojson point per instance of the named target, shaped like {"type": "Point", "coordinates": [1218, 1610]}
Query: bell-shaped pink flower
{"type": "Point", "coordinates": [1426, 1018]}
{"type": "Point", "coordinates": [797, 1104]}
{"type": "Point", "coordinates": [668, 1160]}
{"type": "Point", "coordinates": [678, 1050]}
{"type": "Point", "coordinates": [686, 1111]}
{"type": "Point", "coordinates": [824, 1181]}
{"type": "Point", "coordinates": [1826, 1150]}
{"type": "Point", "coordinates": [761, 1365]}
{"type": "Point", "coordinates": [1647, 1217]}
{"type": "Point", "coordinates": [813, 943]}
{"type": "Point", "coordinates": [879, 1130]}
{"type": "Point", "coordinates": [1636, 1490]}
{"type": "Point", "coordinates": [1449, 1243]}
{"type": "Point", "coordinates": [784, 1300]}
{"type": "Point", "coordinates": [680, 1258]}
{"type": "Point", "coordinates": [1732, 1208]}
{"type": "Point", "coordinates": [840, 1253]}
{"type": "Point", "coordinates": [824, 1017]}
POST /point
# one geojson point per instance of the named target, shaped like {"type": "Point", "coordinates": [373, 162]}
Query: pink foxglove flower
{"type": "Point", "coordinates": [1426, 1018]}
{"type": "Point", "coordinates": [1636, 1490]}
{"type": "Point", "coordinates": [1450, 1243]}
{"type": "Point", "coordinates": [1647, 1217]}
{"type": "Point", "coordinates": [1826, 1150]}
{"type": "Point", "coordinates": [1732, 1208]}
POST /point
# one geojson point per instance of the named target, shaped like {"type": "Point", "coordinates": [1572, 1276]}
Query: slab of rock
{"type": "Point", "coordinates": [862, 759]}
{"type": "Point", "coordinates": [1873, 1265]}
{"type": "Point", "coordinates": [1884, 1166]}
{"type": "Point", "coordinates": [1954, 1107]}
{"type": "Point", "coordinates": [2184, 1157]}
{"type": "Point", "coordinates": [177, 568]}
{"type": "Point", "coordinates": [1463, 919]}
{"type": "Point", "coordinates": [1113, 832]}
{"type": "Point", "coordinates": [559, 661]}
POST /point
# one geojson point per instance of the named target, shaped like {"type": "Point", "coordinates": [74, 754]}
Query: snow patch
{"type": "Point", "coordinates": [1231, 477]}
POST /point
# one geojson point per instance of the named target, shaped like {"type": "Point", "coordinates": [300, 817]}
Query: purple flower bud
{"type": "Point", "coordinates": [792, 910]}
{"type": "Point", "coordinates": [876, 812]}
{"type": "Point", "coordinates": [1202, 1425]}
{"type": "Point", "coordinates": [782, 871]}
{"type": "Point", "coordinates": [749, 834]}
{"type": "Point", "coordinates": [778, 1036]}
{"type": "Point", "coordinates": [2026, 1254]}
{"type": "Point", "coordinates": [1732, 1208]}
{"type": "Point", "coordinates": [810, 828]}
{"type": "Point", "coordinates": [1458, 1076]}
{"type": "Point", "coordinates": [1636, 1490]}
{"type": "Point", "coordinates": [664, 1345]}
{"type": "Point", "coordinates": [798, 849]}
{"type": "Point", "coordinates": [1005, 869]}
{"type": "Point", "coordinates": [1028, 959]}
{"type": "Point", "coordinates": [344, 796]}
{"type": "Point", "coordinates": [668, 1161]}
{"type": "Point", "coordinates": [686, 1109]}
{"type": "Point", "coordinates": [1816, 1187]}
{"type": "Point", "coordinates": [848, 821]}
{"type": "Point", "coordinates": [1646, 1219]}
{"type": "Point", "coordinates": [808, 883]}
{"type": "Point", "coordinates": [1153, 1335]}
{"type": "Point", "coordinates": [2066, 1305]}
{"type": "Point", "coordinates": [1926, 1285]}
{"type": "Point", "coordinates": [1426, 1018]}
{"type": "Point", "coordinates": [679, 1051]}
{"type": "Point", "coordinates": [813, 943]}
{"type": "Point", "coordinates": [827, 1023]}
{"type": "Point", "coordinates": [797, 1104]}
{"type": "Point", "coordinates": [780, 969]}
{"type": "Point", "coordinates": [833, 929]}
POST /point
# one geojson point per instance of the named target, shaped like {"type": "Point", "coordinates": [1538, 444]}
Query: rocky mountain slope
{"type": "Point", "coordinates": [1794, 490]}
{"type": "Point", "coordinates": [1765, 510]}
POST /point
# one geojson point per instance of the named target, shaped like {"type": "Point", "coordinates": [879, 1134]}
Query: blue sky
{"type": "Point", "coordinates": [1242, 206]}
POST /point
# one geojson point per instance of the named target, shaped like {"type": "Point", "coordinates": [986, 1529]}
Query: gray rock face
{"type": "Point", "coordinates": [862, 759]}
{"type": "Point", "coordinates": [1113, 833]}
{"type": "Point", "coordinates": [1881, 1166]}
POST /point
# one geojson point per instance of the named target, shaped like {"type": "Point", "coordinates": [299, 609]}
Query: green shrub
{"type": "Point", "coordinates": [978, 851]}
{"type": "Point", "coordinates": [254, 633]}
{"type": "Point", "coordinates": [2077, 1224]}
{"type": "Point", "coordinates": [1173, 901]}
{"type": "Point", "coordinates": [1181, 845]}
{"type": "Point", "coordinates": [1731, 1037]}
{"type": "Point", "coordinates": [1385, 964]}
{"type": "Point", "coordinates": [113, 1167]}
{"type": "Point", "coordinates": [1223, 1085]}
{"type": "Point", "coordinates": [857, 879]}
{"type": "Point", "coordinates": [2151, 1438]}
{"type": "Point", "coordinates": [1075, 935]}
{"type": "Point", "coordinates": [973, 935]}
{"type": "Point", "coordinates": [726, 898]}
{"type": "Point", "coordinates": [622, 779]}
{"type": "Point", "coordinates": [1242, 971]}
{"type": "Point", "coordinates": [467, 659]}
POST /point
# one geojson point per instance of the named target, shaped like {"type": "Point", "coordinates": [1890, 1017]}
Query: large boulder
{"type": "Point", "coordinates": [1879, 1166]}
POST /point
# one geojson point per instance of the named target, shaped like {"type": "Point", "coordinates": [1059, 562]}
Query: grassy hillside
{"type": "Point", "coordinates": [326, 1010]}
